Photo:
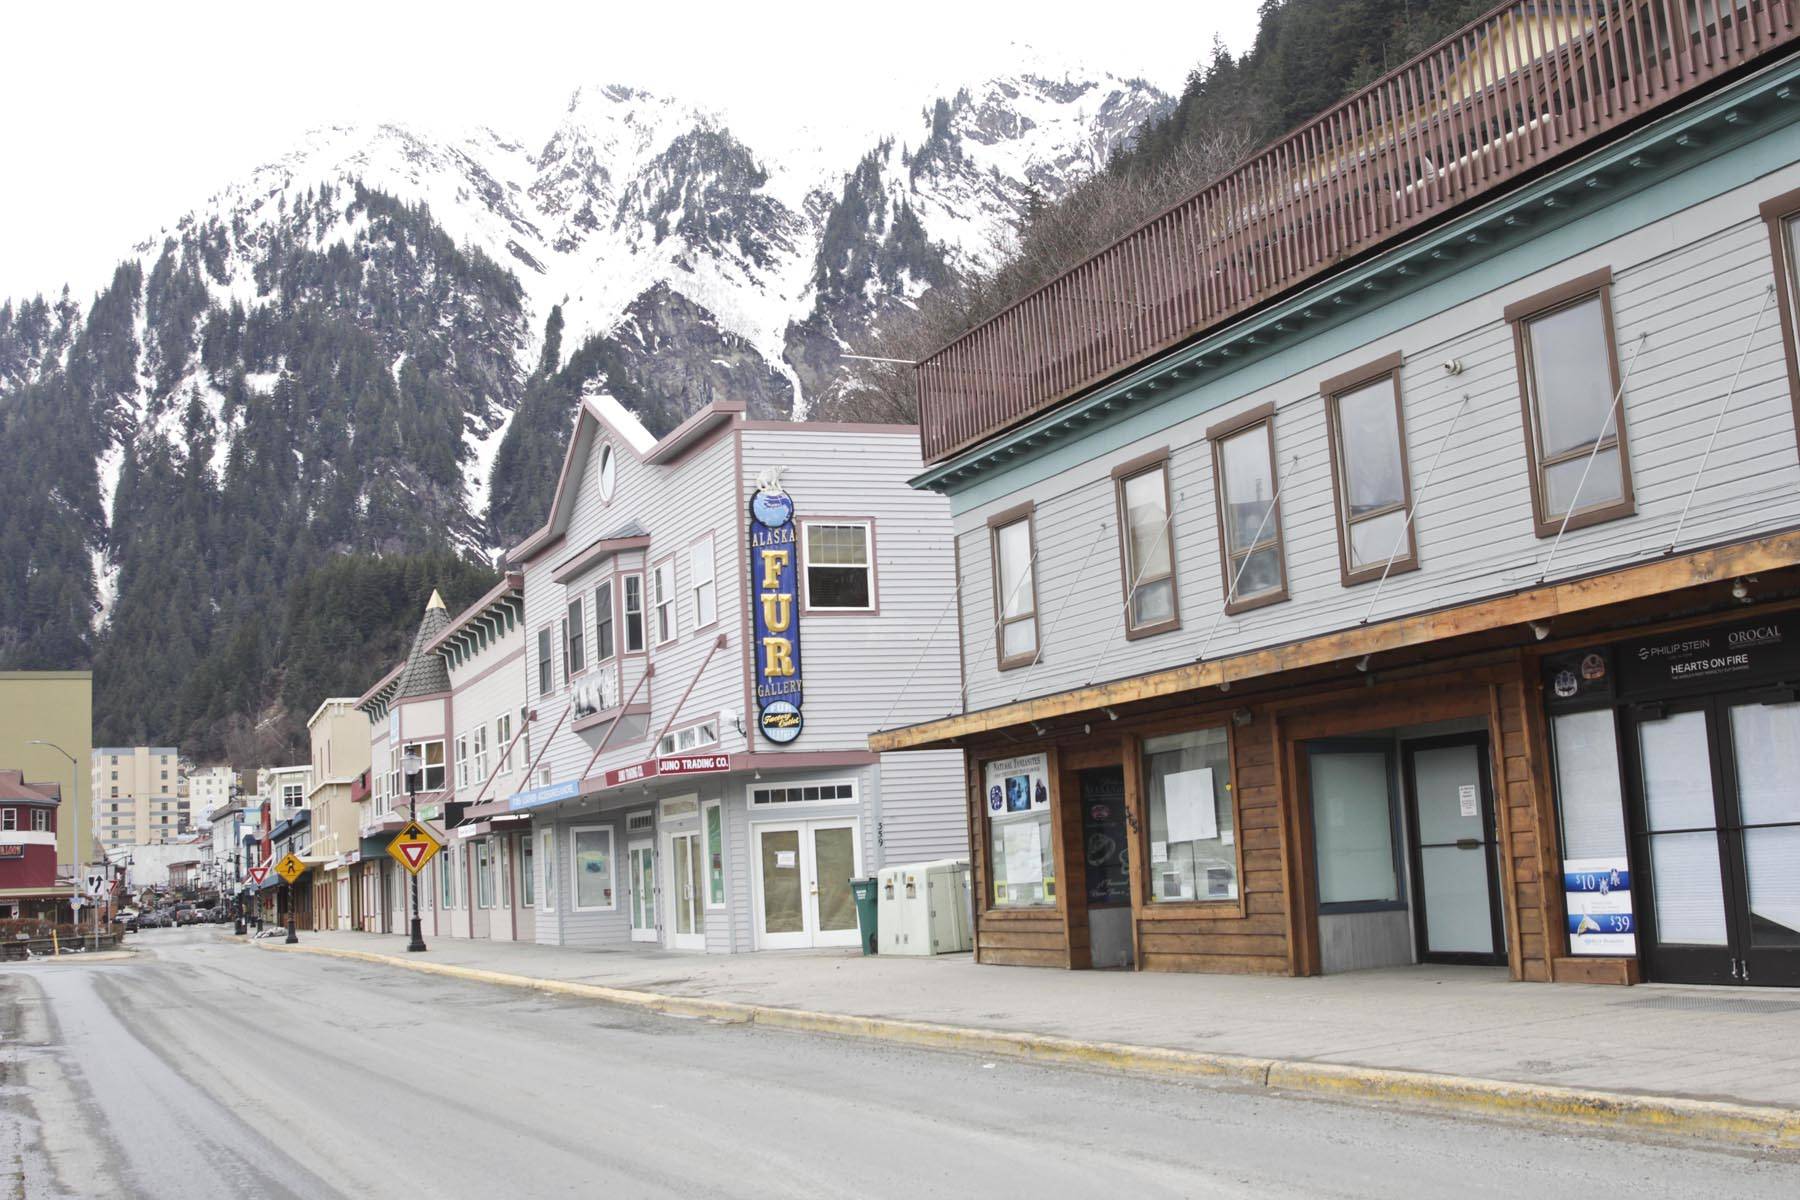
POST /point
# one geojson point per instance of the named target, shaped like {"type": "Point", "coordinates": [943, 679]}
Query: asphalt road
{"type": "Point", "coordinates": [203, 1067]}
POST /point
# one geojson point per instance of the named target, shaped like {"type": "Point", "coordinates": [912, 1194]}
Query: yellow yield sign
{"type": "Point", "coordinates": [414, 847]}
{"type": "Point", "coordinates": [290, 868]}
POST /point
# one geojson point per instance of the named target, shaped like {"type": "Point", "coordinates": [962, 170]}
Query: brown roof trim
{"type": "Point", "coordinates": [595, 552]}
{"type": "Point", "coordinates": [512, 581]}
{"type": "Point", "coordinates": [694, 431]}
{"type": "Point", "coordinates": [1243, 420]}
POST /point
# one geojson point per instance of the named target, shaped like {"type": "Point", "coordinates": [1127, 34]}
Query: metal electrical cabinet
{"type": "Point", "coordinates": [924, 908]}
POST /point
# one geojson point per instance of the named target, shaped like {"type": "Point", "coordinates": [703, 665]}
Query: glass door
{"type": "Point", "coordinates": [803, 873]}
{"type": "Point", "coordinates": [1764, 839]}
{"type": "Point", "coordinates": [1678, 836]}
{"type": "Point", "coordinates": [641, 863]}
{"type": "Point", "coordinates": [687, 918]}
{"type": "Point", "coordinates": [1454, 851]}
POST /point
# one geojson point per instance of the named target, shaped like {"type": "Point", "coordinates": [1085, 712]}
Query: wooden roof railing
{"type": "Point", "coordinates": [1529, 83]}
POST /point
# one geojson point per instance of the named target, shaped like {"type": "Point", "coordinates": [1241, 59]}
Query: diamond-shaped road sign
{"type": "Point", "coordinates": [290, 868]}
{"type": "Point", "coordinates": [258, 873]}
{"type": "Point", "coordinates": [414, 846]}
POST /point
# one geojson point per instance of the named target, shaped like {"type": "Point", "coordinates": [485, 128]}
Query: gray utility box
{"type": "Point", "coordinates": [924, 908]}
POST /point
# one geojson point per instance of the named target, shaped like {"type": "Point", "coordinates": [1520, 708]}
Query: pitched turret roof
{"type": "Point", "coordinates": [425, 673]}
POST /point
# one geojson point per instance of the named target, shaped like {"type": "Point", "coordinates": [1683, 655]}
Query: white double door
{"type": "Point", "coordinates": [683, 889]}
{"type": "Point", "coordinates": [803, 872]}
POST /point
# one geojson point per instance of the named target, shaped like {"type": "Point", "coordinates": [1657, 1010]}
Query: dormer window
{"type": "Point", "coordinates": [608, 473]}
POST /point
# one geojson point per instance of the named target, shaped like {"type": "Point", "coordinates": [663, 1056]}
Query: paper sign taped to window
{"type": "Point", "coordinates": [1470, 799]}
{"type": "Point", "coordinates": [1024, 852]}
{"type": "Point", "coordinates": [1159, 852]}
{"type": "Point", "coordinates": [1188, 803]}
{"type": "Point", "coordinates": [784, 859]}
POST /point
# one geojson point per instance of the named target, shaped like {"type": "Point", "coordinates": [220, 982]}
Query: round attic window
{"type": "Point", "coordinates": [608, 472]}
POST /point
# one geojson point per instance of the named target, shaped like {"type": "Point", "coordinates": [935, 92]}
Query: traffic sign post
{"type": "Point", "coordinates": [414, 846]}
{"type": "Point", "coordinates": [290, 869]}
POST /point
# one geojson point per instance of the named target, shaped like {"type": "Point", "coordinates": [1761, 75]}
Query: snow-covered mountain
{"type": "Point", "coordinates": [374, 343]}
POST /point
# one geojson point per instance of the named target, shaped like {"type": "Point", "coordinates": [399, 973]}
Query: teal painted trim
{"type": "Point", "coordinates": [1430, 274]}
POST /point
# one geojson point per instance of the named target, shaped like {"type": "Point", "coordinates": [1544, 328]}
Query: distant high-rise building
{"type": "Point", "coordinates": [136, 799]}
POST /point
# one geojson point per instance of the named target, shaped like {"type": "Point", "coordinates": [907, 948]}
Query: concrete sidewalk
{"type": "Point", "coordinates": [1472, 1024]}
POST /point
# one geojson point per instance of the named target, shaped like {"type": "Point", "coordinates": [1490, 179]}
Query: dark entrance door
{"type": "Point", "coordinates": [1105, 848]}
{"type": "Point", "coordinates": [1457, 907]}
{"type": "Point", "coordinates": [1716, 835]}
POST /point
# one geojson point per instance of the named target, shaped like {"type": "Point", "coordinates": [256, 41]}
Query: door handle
{"type": "Point", "coordinates": [1468, 843]}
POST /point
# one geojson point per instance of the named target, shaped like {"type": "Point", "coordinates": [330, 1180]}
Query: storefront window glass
{"type": "Point", "coordinates": [715, 856]}
{"type": "Point", "coordinates": [1587, 785]}
{"type": "Point", "coordinates": [1021, 856]}
{"type": "Point", "coordinates": [1187, 794]}
{"type": "Point", "coordinates": [1353, 827]}
{"type": "Point", "coordinates": [593, 868]}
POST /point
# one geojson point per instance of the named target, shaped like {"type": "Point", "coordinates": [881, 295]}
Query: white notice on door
{"type": "Point", "coordinates": [1188, 801]}
{"type": "Point", "coordinates": [1024, 853]}
{"type": "Point", "coordinates": [1470, 799]}
{"type": "Point", "coordinates": [784, 859]}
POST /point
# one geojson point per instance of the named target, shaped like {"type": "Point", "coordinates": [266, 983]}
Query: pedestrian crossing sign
{"type": "Point", "coordinates": [414, 846]}
{"type": "Point", "coordinates": [290, 868]}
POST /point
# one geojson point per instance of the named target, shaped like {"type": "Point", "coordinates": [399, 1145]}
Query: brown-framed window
{"type": "Point", "coordinates": [574, 640]}
{"type": "Point", "coordinates": [1015, 586]}
{"type": "Point", "coordinates": [1250, 550]}
{"type": "Point", "coordinates": [1147, 545]}
{"type": "Point", "coordinates": [1370, 478]}
{"type": "Point", "coordinates": [1190, 808]}
{"type": "Point", "coordinates": [1568, 368]}
{"type": "Point", "coordinates": [1783, 216]}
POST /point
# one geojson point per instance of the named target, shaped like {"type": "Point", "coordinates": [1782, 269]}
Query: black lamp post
{"type": "Point", "coordinates": [412, 765]}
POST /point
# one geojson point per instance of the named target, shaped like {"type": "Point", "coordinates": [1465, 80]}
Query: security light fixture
{"type": "Point", "coordinates": [1362, 664]}
{"type": "Point", "coordinates": [1110, 714]}
{"type": "Point", "coordinates": [1739, 589]}
{"type": "Point", "coordinates": [1540, 629]}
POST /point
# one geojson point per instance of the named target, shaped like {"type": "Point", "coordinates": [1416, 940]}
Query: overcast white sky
{"type": "Point", "coordinates": [120, 117]}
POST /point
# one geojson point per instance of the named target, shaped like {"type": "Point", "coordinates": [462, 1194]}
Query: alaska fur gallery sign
{"type": "Point", "coordinates": [774, 571]}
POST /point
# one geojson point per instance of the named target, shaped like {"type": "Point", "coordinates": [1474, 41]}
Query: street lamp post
{"type": "Point", "coordinates": [74, 793]}
{"type": "Point", "coordinates": [412, 765]}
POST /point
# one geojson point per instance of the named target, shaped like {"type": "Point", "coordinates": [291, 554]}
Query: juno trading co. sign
{"type": "Point", "coordinates": [774, 572]}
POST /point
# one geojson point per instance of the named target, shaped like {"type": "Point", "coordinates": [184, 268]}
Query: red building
{"type": "Point", "coordinates": [28, 882]}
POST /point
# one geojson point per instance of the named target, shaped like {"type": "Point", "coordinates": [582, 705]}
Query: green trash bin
{"type": "Point", "coordinates": [864, 891]}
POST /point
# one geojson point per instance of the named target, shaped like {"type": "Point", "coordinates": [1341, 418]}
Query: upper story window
{"type": "Point", "coordinates": [633, 586]}
{"type": "Point", "coordinates": [603, 622]}
{"type": "Point", "coordinates": [503, 732]}
{"type": "Point", "coordinates": [608, 473]}
{"type": "Point", "coordinates": [1574, 415]}
{"type": "Point", "coordinates": [40, 820]}
{"type": "Point", "coordinates": [479, 753]}
{"type": "Point", "coordinates": [1370, 480]}
{"type": "Point", "coordinates": [1015, 587]}
{"type": "Point", "coordinates": [840, 571]}
{"type": "Point", "coordinates": [574, 641]}
{"type": "Point", "coordinates": [662, 598]}
{"type": "Point", "coordinates": [702, 582]}
{"type": "Point", "coordinates": [1249, 512]}
{"type": "Point", "coordinates": [431, 754]}
{"type": "Point", "coordinates": [706, 733]}
{"type": "Point", "coordinates": [546, 666]}
{"type": "Point", "coordinates": [462, 761]}
{"type": "Point", "coordinates": [1783, 215]}
{"type": "Point", "coordinates": [9, 818]}
{"type": "Point", "coordinates": [1146, 545]}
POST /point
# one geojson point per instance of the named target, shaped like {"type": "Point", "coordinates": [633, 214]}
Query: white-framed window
{"type": "Point", "coordinates": [1015, 588]}
{"type": "Point", "coordinates": [503, 734]}
{"type": "Point", "coordinates": [608, 473]}
{"type": "Point", "coordinates": [838, 565]}
{"type": "Point", "coordinates": [712, 830]}
{"type": "Point", "coordinates": [633, 586]}
{"type": "Point", "coordinates": [478, 753]}
{"type": "Point", "coordinates": [446, 872]}
{"type": "Point", "coordinates": [548, 857]}
{"type": "Point", "coordinates": [40, 820]}
{"type": "Point", "coordinates": [574, 640]}
{"type": "Point", "coordinates": [546, 665]}
{"type": "Point", "coordinates": [484, 872]}
{"type": "Point", "coordinates": [591, 867]}
{"type": "Point", "coordinates": [701, 582]}
{"type": "Point", "coordinates": [603, 622]}
{"type": "Point", "coordinates": [640, 822]}
{"type": "Point", "coordinates": [462, 761]}
{"type": "Point", "coordinates": [527, 873]}
{"type": "Point", "coordinates": [836, 792]}
{"type": "Point", "coordinates": [662, 600]}
{"type": "Point", "coordinates": [9, 818]}
{"type": "Point", "coordinates": [680, 741]}
{"type": "Point", "coordinates": [432, 755]}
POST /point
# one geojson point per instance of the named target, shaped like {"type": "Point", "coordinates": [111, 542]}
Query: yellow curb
{"type": "Point", "coordinates": [1706, 1120]}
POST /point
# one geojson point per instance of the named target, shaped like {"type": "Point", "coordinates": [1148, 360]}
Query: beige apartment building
{"type": "Point", "coordinates": [340, 756]}
{"type": "Point", "coordinates": [136, 800]}
{"type": "Point", "coordinates": [46, 731]}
